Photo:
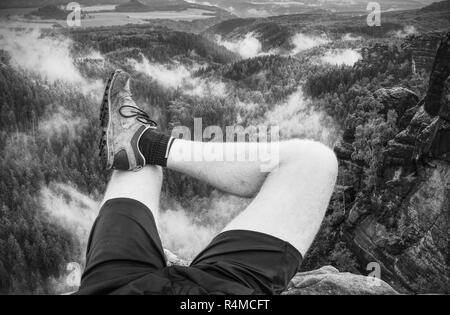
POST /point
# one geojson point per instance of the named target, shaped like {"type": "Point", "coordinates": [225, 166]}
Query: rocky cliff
{"type": "Point", "coordinates": [422, 49]}
{"type": "Point", "coordinates": [403, 223]}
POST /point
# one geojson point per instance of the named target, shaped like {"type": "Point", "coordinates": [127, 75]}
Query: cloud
{"type": "Point", "coordinates": [48, 56]}
{"type": "Point", "coordinates": [65, 206]}
{"type": "Point", "coordinates": [201, 88]}
{"type": "Point", "coordinates": [182, 235]}
{"type": "Point", "coordinates": [297, 118]}
{"type": "Point", "coordinates": [303, 42]}
{"type": "Point", "coordinates": [75, 212]}
{"type": "Point", "coordinates": [203, 3]}
{"type": "Point", "coordinates": [92, 56]}
{"type": "Point", "coordinates": [351, 37]}
{"type": "Point", "coordinates": [169, 76]}
{"type": "Point", "coordinates": [62, 122]}
{"type": "Point", "coordinates": [341, 57]}
{"type": "Point", "coordinates": [285, 3]}
{"type": "Point", "coordinates": [247, 47]}
{"type": "Point", "coordinates": [186, 234]}
{"type": "Point", "coordinates": [250, 46]}
{"type": "Point", "coordinates": [407, 31]}
{"type": "Point", "coordinates": [258, 13]}
{"type": "Point", "coordinates": [177, 76]}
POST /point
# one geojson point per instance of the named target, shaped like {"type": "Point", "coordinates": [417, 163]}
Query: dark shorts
{"type": "Point", "coordinates": [125, 256]}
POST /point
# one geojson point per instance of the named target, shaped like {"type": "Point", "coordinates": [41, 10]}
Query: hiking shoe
{"type": "Point", "coordinates": [123, 124]}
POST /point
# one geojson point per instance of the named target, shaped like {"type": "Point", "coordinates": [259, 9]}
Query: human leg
{"type": "Point", "coordinates": [290, 201]}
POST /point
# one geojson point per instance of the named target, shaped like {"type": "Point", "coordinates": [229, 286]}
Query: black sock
{"type": "Point", "coordinates": [155, 147]}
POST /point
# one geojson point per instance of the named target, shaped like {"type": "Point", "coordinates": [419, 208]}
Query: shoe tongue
{"type": "Point", "coordinates": [126, 95]}
{"type": "Point", "coordinates": [126, 88]}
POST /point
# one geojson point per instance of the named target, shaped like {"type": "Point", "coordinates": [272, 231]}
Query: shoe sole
{"type": "Point", "coordinates": [105, 113]}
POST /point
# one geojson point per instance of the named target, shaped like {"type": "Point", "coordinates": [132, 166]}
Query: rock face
{"type": "Point", "coordinates": [329, 281]}
{"type": "Point", "coordinates": [397, 98]}
{"type": "Point", "coordinates": [174, 260]}
{"type": "Point", "coordinates": [423, 49]}
{"type": "Point", "coordinates": [404, 223]}
{"type": "Point", "coordinates": [439, 75]}
{"type": "Point", "coordinates": [408, 236]}
{"type": "Point", "coordinates": [325, 281]}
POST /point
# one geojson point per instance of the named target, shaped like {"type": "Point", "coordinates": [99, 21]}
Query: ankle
{"type": "Point", "coordinates": [155, 147]}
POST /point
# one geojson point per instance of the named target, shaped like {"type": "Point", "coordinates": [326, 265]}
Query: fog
{"type": "Point", "coordinates": [297, 117]}
{"type": "Point", "coordinates": [247, 47]}
{"type": "Point", "coordinates": [340, 57]}
{"type": "Point", "coordinates": [303, 42]}
{"type": "Point", "coordinates": [168, 76]}
{"type": "Point", "coordinates": [64, 205]}
{"type": "Point", "coordinates": [351, 37]}
{"type": "Point", "coordinates": [178, 76]}
{"type": "Point", "coordinates": [406, 31]}
{"type": "Point", "coordinates": [49, 57]}
{"type": "Point", "coordinates": [62, 122]}
{"type": "Point", "coordinates": [250, 46]}
{"type": "Point", "coordinates": [187, 233]}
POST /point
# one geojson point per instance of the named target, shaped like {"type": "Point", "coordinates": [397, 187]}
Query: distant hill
{"type": "Point", "coordinates": [52, 12]}
{"type": "Point", "coordinates": [42, 3]}
{"type": "Point", "coordinates": [262, 8]}
{"type": "Point", "coordinates": [161, 5]}
{"type": "Point", "coordinates": [230, 25]}
{"type": "Point", "coordinates": [277, 31]}
{"type": "Point", "coordinates": [132, 6]}
{"type": "Point", "coordinates": [438, 6]}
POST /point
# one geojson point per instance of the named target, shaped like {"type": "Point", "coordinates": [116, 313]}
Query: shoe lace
{"type": "Point", "coordinates": [140, 115]}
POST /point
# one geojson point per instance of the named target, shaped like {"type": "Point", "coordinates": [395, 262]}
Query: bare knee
{"type": "Point", "coordinates": [310, 156]}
